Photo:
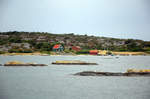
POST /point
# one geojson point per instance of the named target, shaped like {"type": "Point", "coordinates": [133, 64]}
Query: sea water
{"type": "Point", "coordinates": [58, 81]}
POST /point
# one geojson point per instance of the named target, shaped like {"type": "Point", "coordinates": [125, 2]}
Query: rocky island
{"type": "Point", "coordinates": [18, 63]}
{"type": "Point", "coordinates": [129, 73]}
{"type": "Point", "coordinates": [73, 62]}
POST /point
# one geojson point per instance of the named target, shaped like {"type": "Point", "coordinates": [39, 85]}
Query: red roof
{"type": "Point", "coordinates": [76, 48]}
{"type": "Point", "coordinates": [93, 51]}
{"type": "Point", "coordinates": [56, 46]}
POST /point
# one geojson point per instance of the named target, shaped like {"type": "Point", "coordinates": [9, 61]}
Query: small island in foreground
{"type": "Point", "coordinates": [129, 73]}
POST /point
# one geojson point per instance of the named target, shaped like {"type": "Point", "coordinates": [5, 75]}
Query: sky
{"type": "Point", "coordinates": [108, 18]}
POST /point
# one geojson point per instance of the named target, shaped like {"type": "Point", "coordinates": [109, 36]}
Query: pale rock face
{"type": "Point", "coordinates": [15, 62]}
{"type": "Point", "coordinates": [136, 70]}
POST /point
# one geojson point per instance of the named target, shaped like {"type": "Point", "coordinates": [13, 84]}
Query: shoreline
{"type": "Point", "coordinates": [44, 54]}
{"type": "Point", "coordinates": [73, 55]}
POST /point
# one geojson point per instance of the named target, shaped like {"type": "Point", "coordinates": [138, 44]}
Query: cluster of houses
{"type": "Point", "coordinates": [60, 48]}
{"type": "Point", "coordinates": [98, 52]}
{"type": "Point", "coordinates": [56, 48]}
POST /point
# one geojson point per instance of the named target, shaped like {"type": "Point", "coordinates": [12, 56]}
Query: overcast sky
{"type": "Point", "coordinates": [109, 18]}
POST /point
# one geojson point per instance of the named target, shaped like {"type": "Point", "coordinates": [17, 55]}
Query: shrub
{"type": "Point", "coordinates": [1, 52]}
{"type": "Point", "coordinates": [83, 52]}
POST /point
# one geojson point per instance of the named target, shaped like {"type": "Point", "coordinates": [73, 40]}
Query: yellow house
{"type": "Point", "coordinates": [102, 52]}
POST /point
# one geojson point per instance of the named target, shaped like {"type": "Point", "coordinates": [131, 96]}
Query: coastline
{"type": "Point", "coordinates": [66, 54]}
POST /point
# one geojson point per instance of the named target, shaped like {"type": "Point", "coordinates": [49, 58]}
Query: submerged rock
{"type": "Point", "coordinates": [73, 62]}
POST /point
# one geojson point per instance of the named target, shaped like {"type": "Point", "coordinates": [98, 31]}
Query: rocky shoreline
{"type": "Point", "coordinates": [73, 54]}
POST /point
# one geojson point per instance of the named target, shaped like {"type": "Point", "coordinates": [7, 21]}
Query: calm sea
{"type": "Point", "coordinates": [57, 81]}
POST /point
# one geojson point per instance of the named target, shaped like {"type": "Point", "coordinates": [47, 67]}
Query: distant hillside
{"type": "Point", "coordinates": [42, 41]}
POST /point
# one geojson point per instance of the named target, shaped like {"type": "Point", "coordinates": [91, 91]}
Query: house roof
{"type": "Point", "coordinates": [56, 46]}
{"type": "Point", "coordinates": [76, 47]}
{"type": "Point", "coordinates": [93, 51]}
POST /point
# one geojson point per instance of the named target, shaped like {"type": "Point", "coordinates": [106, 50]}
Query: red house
{"type": "Point", "coordinates": [93, 52]}
{"type": "Point", "coordinates": [76, 48]}
{"type": "Point", "coordinates": [58, 47]}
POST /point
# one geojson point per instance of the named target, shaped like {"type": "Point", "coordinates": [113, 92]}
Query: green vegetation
{"type": "Point", "coordinates": [83, 52]}
{"type": "Point", "coordinates": [109, 53]}
{"type": "Point", "coordinates": [20, 51]}
{"type": "Point", "coordinates": [46, 52]}
{"type": "Point", "coordinates": [1, 52]}
{"type": "Point", "coordinates": [43, 46]}
{"type": "Point", "coordinates": [44, 42]}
